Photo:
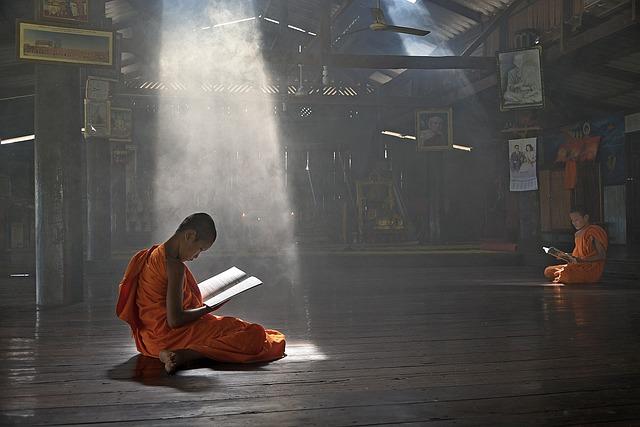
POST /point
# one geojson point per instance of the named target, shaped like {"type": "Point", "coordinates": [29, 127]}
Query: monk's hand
{"type": "Point", "coordinates": [572, 259]}
{"type": "Point", "coordinates": [213, 308]}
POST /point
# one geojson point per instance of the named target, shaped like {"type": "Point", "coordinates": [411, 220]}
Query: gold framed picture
{"type": "Point", "coordinates": [434, 130]}
{"type": "Point", "coordinates": [49, 43]}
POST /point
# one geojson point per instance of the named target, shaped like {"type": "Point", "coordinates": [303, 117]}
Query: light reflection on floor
{"type": "Point", "coordinates": [304, 351]}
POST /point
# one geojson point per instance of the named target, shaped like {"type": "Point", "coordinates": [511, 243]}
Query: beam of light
{"type": "Point", "coordinates": [223, 158]}
{"type": "Point", "coordinates": [462, 147]}
{"type": "Point", "coordinates": [237, 21]}
{"type": "Point", "coordinates": [19, 275]}
{"type": "Point", "coordinates": [18, 139]}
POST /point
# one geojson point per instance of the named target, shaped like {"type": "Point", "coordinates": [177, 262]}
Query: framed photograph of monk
{"type": "Point", "coordinates": [53, 44]}
{"type": "Point", "coordinates": [434, 130]}
{"type": "Point", "coordinates": [67, 11]}
{"type": "Point", "coordinates": [520, 79]}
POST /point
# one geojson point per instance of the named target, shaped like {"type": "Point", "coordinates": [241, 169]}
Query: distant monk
{"type": "Point", "coordinates": [160, 300]}
{"type": "Point", "coordinates": [588, 257]}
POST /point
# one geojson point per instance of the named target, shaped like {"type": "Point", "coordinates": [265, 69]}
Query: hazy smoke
{"type": "Point", "coordinates": [219, 154]}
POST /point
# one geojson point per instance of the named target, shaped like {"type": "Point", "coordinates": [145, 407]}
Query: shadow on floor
{"type": "Point", "coordinates": [150, 371]}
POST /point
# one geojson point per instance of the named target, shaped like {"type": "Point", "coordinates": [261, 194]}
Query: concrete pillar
{"type": "Point", "coordinates": [58, 175]}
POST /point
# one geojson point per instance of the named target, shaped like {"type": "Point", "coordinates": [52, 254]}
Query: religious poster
{"type": "Point", "coordinates": [520, 79]}
{"type": "Point", "coordinates": [434, 130]}
{"type": "Point", "coordinates": [522, 164]}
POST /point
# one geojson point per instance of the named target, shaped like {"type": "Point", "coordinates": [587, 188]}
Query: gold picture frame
{"type": "Point", "coordinates": [434, 129]}
{"type": "Point", "coordinates": [54, 44]}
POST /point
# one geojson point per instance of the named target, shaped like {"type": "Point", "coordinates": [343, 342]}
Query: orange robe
{"type": "Point", "coordinates": [142, 304]}
{"type": "Point", "coordinates": [584, 272]}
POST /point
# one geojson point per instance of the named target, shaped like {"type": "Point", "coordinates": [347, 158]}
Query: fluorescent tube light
{"type": "Point", "coordinates": [18, 139]}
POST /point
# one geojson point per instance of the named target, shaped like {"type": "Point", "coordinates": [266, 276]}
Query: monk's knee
{"type": "Point", "coordinates": [550, 272]}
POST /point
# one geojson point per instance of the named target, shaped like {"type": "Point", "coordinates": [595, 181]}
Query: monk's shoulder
{"type": "Point", "coordinates": [598, 233]}
{"type": "Point", "coordinates": [174, 266]}
{"type": "Point", "coordinates": [596, 229]}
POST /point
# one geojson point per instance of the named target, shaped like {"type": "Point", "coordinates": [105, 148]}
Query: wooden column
{"type": "Point", "coordinates": [98, 153]}
{"type": "Point", "coordinates": [98, 170]}
{"type": "Point", "coordinates": [58, 175]}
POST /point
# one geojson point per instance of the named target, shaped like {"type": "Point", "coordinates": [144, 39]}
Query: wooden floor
{"type": "Point", "coordinates": [366, 346]}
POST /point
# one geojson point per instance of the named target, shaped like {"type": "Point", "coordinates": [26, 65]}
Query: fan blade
{"type": "Point", "coordinates": [378, 16]}
{"type": "Point", "coordinates": [406, 30]}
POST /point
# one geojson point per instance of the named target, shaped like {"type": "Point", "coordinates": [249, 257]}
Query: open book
{"type": "Point", "coordinates": [557, 253]}
{"type": "Point", "coordinates": [224, 286]}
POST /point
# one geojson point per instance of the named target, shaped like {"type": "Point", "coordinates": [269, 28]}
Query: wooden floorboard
{"type": "Point", "coordinates": [366, 346]}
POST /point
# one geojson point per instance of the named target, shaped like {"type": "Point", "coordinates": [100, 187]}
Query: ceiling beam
{"type": "Point", "coordinates": [400, 62]}
{"type": "Point", "coordinates": [452, 6]}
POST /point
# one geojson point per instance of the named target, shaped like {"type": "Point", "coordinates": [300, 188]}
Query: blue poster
{"type": "Point", "coordinates": [610, 155]}
{"type": "Point", "coordinates": [611, 150]}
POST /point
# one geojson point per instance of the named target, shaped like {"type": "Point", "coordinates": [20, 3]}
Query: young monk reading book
{"type": "Point", "coordinates": [586, 263]}
{"type": "Point", "coordinates": [161, 301]}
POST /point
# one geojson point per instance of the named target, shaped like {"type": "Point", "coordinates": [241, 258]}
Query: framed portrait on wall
{"type": "Point", "coordinates": [520, 81]}
{"type": "Point", "coordinates": [69, 11]}
{"type": "Point", "coordinates": [434, 130]}
{"type": "Point", "coordinates": [53, 44]}
{"type": "Point", "coordinates": [97, 118]}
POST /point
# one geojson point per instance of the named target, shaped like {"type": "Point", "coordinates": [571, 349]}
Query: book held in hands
{"type": "Point", "coordinates": [557, 253]}
{"type": "Point", "coordinates": [224, 286]}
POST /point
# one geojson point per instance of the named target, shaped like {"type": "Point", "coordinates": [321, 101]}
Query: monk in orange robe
{"type": "Point", "coordinates": [160, 300]}
{"type": "Point", "coordinates": [586, 262]}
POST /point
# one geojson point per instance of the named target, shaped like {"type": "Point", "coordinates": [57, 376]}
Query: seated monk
{"type": "Point", "coordinates": [586, 262]}
{"type": "Point", "coordinates": [160, 300]}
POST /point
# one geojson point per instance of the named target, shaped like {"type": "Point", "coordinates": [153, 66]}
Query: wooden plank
{"type": "Point", "coordinates": [456, 7]}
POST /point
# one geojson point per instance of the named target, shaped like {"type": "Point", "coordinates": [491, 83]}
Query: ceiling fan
{"type": "Point", "coordinates": [379, 24]}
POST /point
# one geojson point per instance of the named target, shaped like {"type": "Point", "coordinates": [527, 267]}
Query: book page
{"type": "Point", "coordinates": [220, 282]}
{"type": "Point", "coordinates": [245, 285]}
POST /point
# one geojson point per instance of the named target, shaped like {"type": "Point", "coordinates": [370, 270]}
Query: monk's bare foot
{"type": "Point", "coordinates": [170, 360]}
